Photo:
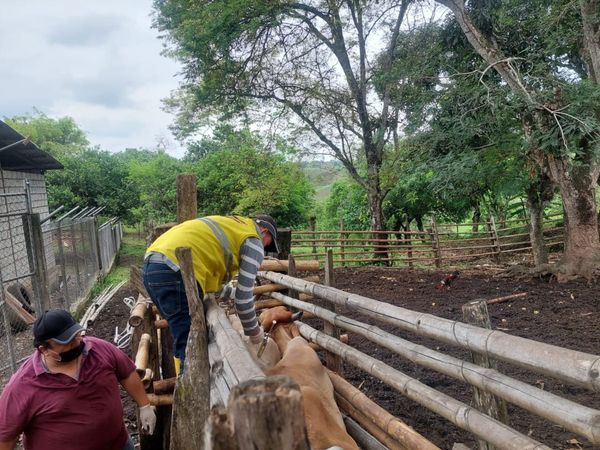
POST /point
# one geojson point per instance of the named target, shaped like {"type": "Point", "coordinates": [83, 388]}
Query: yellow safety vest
{"type": "Point", "coordinates": [208, 256]}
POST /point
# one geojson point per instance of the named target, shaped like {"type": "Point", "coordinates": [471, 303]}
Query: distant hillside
{"type": "Point", "coordinates": [322, 175]}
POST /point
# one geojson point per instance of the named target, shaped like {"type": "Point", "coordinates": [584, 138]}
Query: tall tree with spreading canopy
{"type": "Point", "coordinates": [547, 53]}
{"type": "Point", "coordinates": [311, 61]}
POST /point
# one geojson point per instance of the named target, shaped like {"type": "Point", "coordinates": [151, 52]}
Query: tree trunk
{"type": "Point", "coordinates": [582, 246]}
{"type": "Point", "coordinates": [476, 217]}
{"type": "Point", "coordinates": [539, 193]}
{"type": "Point", "coordinates": [375, 199]}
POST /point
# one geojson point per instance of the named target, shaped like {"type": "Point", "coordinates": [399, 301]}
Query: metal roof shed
{"type": "Point", "coordinates": [20, 154]}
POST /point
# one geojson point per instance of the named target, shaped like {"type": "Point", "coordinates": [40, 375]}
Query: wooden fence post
{"type": "Point", "coordinates": [34, 243]}
{"type": "Point", "coordinates": [495, 240]}
{"type": "Point", "coordinates": [313, 226]}
{"type": "Point", "coordinates": [187, 197]}
{"type": "Point", "coordinates": [435, 243]}
{"type": "Point", "coordinates": [334, 362]}
{"type": "Point", "coordinates": [292, 272]}
{"type": "Point", "coordinates": [476, 313]}
{"type": "Point", "coordinates": [343, 238]}
{"type": "Point", "coordinates": [284, 239]}
{"type": "Point", "coordinates": [191, 404]}
{"type": "Point", "coordinates": [268, 415]}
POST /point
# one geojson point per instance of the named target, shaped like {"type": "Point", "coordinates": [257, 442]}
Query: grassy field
{"type": "Point", "coordinates": [133, 248]}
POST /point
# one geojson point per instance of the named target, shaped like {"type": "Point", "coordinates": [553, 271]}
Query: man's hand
{"type": "Point", "coordinates": [148, 419]}
{"type": "Point", "coordinates": [257, 338]}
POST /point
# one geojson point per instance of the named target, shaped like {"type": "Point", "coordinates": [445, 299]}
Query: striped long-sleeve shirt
{"type": "Point", "coordinates": [251, 257]}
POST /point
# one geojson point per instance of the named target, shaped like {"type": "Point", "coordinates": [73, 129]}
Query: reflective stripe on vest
{"type": "Point", "coordinates": [222, 238]}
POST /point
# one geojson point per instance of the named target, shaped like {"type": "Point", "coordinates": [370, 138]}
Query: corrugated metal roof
{"type": "Point", "coordinates": [24, 156]}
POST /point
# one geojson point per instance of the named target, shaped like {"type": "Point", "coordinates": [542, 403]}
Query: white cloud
{"type": "Point", "coordinates": [98, 62]}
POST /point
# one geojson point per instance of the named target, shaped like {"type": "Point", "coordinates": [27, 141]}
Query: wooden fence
{"type": "Point", "coordinates": [440, 243]}
{"type": "Point", "coordinates": [572, 367]}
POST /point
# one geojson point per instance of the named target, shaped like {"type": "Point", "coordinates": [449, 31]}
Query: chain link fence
{"type": "Point", "coordinates": [49, 264]}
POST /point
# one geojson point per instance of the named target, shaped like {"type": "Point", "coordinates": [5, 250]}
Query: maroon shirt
{"type": "Point", "coordinates": [56, 411]}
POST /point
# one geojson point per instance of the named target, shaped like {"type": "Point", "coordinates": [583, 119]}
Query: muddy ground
{"type": "Point", "coordinates": [560, 314]}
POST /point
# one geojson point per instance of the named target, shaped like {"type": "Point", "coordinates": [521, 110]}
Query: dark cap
{"type": "Point", "coordinates": [266, 221]}
{"type": "Point", "coordinates": [55, 324]}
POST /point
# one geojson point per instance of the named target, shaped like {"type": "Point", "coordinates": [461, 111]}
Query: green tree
{"type": "Point", "coordinates": [547, 53]}
{"type": "Point", "coordinates": [239, 176]}
{"type": "Point", "coordinates": [307, 61]}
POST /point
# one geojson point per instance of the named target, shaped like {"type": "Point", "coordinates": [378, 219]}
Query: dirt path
{"type": "Point", "coordinates": [560, 314]}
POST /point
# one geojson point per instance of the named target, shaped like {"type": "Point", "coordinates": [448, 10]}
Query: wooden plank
{"type": "Point", "coordinates": [17, 309]}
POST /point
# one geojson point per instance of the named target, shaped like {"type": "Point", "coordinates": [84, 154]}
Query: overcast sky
{"type": "Point", "coordinates": [96, 61]}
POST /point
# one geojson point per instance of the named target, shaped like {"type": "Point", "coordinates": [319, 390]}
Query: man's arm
{"type": "Point", "coordinates": [8, 445]}
{"type": "Point", "coordinates": [251, 257]}
{"type": "Point", "coordinates": [135, 388]}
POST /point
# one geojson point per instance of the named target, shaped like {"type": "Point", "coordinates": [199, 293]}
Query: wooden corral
{"type": "Point", "coordinates": [231, 379]}
{"type": "Point", "coordinates": [570, 366]}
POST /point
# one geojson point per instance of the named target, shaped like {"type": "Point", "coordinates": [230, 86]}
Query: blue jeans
{"type": "Point", "coordinates": [167, 291]}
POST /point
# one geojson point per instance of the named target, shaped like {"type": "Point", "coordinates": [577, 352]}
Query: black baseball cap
{"type": "Point", "coordinates": [266, 221]}
{"type": "Point", "coordinates": [55, 324]}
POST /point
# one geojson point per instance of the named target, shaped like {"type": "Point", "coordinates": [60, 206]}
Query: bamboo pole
{"type": "Point", "coordinates": [165, 386]}
{"type": "Point", "coordinates": [574, 417]}
{"type": "Point", "coordinates": [460, 414]}
{"type": "Point", "coordinates": [160, 400]}
{"type": "Point", "coordinates": [136, 316]}
{"type": "Point", "coordinates": [576, 367]}
{"type": "Point", "coordinates": [405, 436]}
{"type": "Point", "coordinates": [142, 355]}
{"type": "Point", "coordinates": [277, 265]}
{"type": "Point", "coordinates": [271, 287]}
{"type": "Point", "coordinates": [333, 361]}
{"type": "Point", "coordinates": [230, 345]}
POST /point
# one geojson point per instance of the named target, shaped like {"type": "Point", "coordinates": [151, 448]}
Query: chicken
{"type": "Point", "coordinates": [448, 280]}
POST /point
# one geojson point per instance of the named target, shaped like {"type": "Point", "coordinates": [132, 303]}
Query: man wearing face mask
{"type": "Point", "coordinates": [66, 395]}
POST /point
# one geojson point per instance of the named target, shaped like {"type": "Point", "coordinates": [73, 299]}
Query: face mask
{"type": "Point", "coordinates": [72, 354]}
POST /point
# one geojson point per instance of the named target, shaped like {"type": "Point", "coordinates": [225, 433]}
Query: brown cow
{"type": "Point", "coordinates": [324, 423]}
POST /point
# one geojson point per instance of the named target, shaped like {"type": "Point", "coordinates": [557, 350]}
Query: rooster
{"type": "Point", "coordinates": [448, 280]}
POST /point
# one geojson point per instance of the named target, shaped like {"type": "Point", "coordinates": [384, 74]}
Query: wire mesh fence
{"type": "Point", "coordinates": [42, 266]}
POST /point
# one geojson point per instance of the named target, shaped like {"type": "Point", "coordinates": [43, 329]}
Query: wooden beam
{"type": "Point", "coordinates": [191, 398]}
{"type": "Point", "coordinates": [187, 197]}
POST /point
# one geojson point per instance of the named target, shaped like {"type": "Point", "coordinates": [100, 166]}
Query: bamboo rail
{"type": "Point", "coordinates": [574, 417]}
{"type": "Point", "coordinates": [460, 414]}
{"type": "Point", "coordinates": [582, 369]}
{"type": "Point", "coordinates": [404, 437]}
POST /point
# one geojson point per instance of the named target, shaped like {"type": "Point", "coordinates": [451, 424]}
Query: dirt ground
{"type": "Point", "coordinates": [559, 314]}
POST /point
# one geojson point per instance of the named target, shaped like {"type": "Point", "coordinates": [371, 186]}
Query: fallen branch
{"type": "Point", "coordinates": [506, 298]}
